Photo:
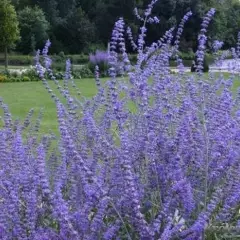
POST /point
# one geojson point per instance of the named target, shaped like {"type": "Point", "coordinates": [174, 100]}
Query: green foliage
{"type": "Point", "coordinates": [187, 55]}
{"type": "Point", "coordinates": [18, 60]}
{"type": "Point", "coordinates": [3, 78]}
{"type": "Point", "coordinates": [30, 74]}
{"type": "Point", "coordinates": [58, 66]}
{"type": "Point", "coordinates": [103, 68]}
{"type": "Point", "coordinates": [59, 75]}
{"type": "Point", "coordinates": [19, 76]}
{"type": "Point", "coordinates": [26, 79]}
{"type": "Point", "coordinates": [83, 72]}
{"type": "Point", "coordinates": [9, 31]}
{"type": "Point", "coordinates": [93, 48]}
{"type": "Point", "coordinates": [78, 32]}
{"type": "Point", "coordinates": [232, 24]}
{"type": "Point", "coordinates": [133, 58]}
{"type": "Point", "coordinates": [61, 55]}
{"type": "Point", "coordinates": [50, 8]}
{"type": "Point", "coordinates": [205, 65]}
{"type": "Point", "coordinates": [78, 59]}
{"type": "Point", "coordinates": [33, 29]}
{"type": "Point", "coordinates": [76, 27]}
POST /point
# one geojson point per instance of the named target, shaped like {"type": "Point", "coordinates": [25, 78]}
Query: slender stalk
{"type": "Point", "coordinates": [206, 170]}
{"type": "Point", "coordinates": [125, 227]}
{"type": "Point", "coordinates": [206, 163]}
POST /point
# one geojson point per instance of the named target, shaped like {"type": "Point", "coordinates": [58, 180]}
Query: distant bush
{"type": "Point", "coordinates": [82, 72]}
{"type": "Point", "coordinates": [3, 78]}
{"type": "Point", "coordinates": [61, 55]}
{"type": "Point", "coordinates": [187, 55]}
{"type": "Point", "coordinates": [26, 60]}
{"type": "Point", "coordinates": [26, 79]}
{"type": "Point", "coordinates": [58, 66]}
{"type": "Point", "coordinates": [19, 76]}
{"type": "Point", "coordinates": [31, 74]}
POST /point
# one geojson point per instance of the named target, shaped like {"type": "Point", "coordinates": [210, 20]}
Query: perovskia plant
{"type": "Point", "coordinates": [167, 170]}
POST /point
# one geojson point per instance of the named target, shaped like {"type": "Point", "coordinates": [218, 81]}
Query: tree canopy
{"type": "Point", "coordinates": [33, 29]}
{"type": "Point", "coordinates": [82, 25]}
{"type": "Point", "coordinates": [9, 31]}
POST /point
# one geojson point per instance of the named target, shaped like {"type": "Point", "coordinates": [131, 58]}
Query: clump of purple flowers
{"type": "Point", "coordinates": [100, 58]}
{"type": "Point", "coordinates": [153, 155]}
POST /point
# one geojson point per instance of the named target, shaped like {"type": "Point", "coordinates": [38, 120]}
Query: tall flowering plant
{"type": "Point", "coordinates": [153, 155]}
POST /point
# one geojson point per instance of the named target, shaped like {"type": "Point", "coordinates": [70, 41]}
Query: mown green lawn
{"type": "Point", "coordinates": [21, 97]}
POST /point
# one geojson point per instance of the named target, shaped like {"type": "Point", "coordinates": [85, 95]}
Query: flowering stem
{"type": "Point", "coordinates": [129, 237]}
{"type": "Point", "coordinates": [207, 157]}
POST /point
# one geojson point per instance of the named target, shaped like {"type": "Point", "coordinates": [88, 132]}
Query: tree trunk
{"type": "Point", "coordinates": [6, 58]}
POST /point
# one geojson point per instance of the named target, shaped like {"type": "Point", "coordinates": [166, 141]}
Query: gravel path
{"type": "Point", "coordinates": [225, 66]}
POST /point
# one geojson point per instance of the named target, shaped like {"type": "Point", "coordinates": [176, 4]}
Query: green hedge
{"type": "Point", "coordinates": [18, 60]}
{"type": "Point", "coordinates": [26, 60]}
{"type": "Point", "coordinates": [80, 59]}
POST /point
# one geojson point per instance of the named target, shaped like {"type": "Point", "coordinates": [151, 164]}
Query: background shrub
{"type": "Point", "coordinates": [82, 72]}
{"type": "Point", "coordinates": [26, 79]}
{"type": "Point", "coordinates": [58, 66]}
{"type": "Point", "coordinates": [3, 78]}
{"type": "Point", "coordinates": [31, 74]}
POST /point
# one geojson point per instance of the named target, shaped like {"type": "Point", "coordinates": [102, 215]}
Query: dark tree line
{"type": "Point", "coordinates": [81, 26]}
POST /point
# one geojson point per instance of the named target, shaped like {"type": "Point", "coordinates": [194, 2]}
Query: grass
{"type": "Point", "coordinates": [22, 96]}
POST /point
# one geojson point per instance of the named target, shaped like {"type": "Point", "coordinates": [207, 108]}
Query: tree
{"type": "Point", "coordinates": [20, 4]}
{"type": "Point", "coordinates": [76, 24]}
{"type": "Point", "coordinates": [108, 11]}
{"type": "Point", "coordinates": [66, 8]}
{"type": "Point", "coordinates": [77, 33]}
{"type": "Point", "coordinates": [9, 31]}
{"type": "Point", "coordinates": [33, 29]}
{"type": "Point", "coordinates": [166, 12]}
{"type": "Point", "coordinates": [233, 24]}
{"type": "Point", "coordinates": [50, 9]}
{"type": "Point", "coordinates": [88, 6]}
